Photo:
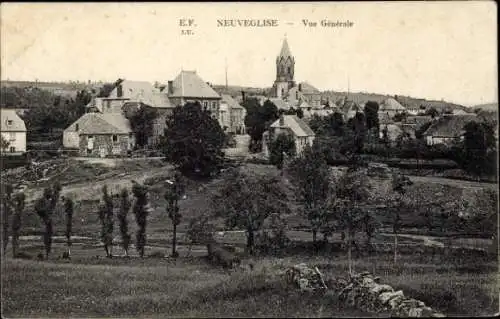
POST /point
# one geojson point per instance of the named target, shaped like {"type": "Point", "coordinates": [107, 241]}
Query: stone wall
{"type": "Point", "coordinates": [362, 291]}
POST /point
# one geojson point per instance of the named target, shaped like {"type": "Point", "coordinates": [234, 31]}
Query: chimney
{"type": "Point", "coordinates": [282, 120]}
{"type": "Point", "coordinates": [208, 83]}
{"type": "Point", "coordinates": [243, 95]}
{"type": "Point", "coordinates": [170, 87]}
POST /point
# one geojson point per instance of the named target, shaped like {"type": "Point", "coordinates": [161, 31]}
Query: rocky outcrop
{"type": "Point", "coordinates": [362, 291]}
{"type": "Point", "coordinates": [305, 278]}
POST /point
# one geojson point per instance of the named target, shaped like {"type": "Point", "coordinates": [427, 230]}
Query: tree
{"type": "Point", "coordinates": [193, 140]}
{"type": "Point", "coordinates": [245, 201]}
{"type": "Point", "coordinates": [352, 194]}
{"type": "Point", "coordinates": [68, 210]}
{"type": "Point", "coordinates": [19, 203]}
{"type": "Point", "coordinates": [106, 218]}
{"type": "Point", "coordinates": [106, 89]}
{"type": "Point", "coordinates": [479, 140]}
{"type": "Point", "coordinates": [399, 183]}
{"type": "Point", "coordinates": [141, 213]}
{"type": "Point", "coordinates": [258, 119]}
{"type": "Point", "coordinates": [4, 144]}
{"type": "Point", "coordinates": [311, 176]}
{"type": "Point", "coordinates": [125, 205]}
{"type": "Point", "coordinates": [371, 116]}
{"type": "Point", "coordinates": [6, 193]}
{"type": "Point", "coordinates": [142, 123]}
{"type": "Point", "coordinates": [175, 189]}
{"type": "Point", "coordinates": [44, 208]}
{"type": "Point", "coordinates": [199, 230]}
{"type": "Point", "coordinates": [282, 144]}
{"type": "Point", "coordinates": [432, 112]}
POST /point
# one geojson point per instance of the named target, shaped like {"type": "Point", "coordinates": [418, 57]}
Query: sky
{"type": "Point", "coordinates": [434, 50]}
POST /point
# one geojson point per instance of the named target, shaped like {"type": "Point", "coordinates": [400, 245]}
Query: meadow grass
{"type": "Point", "coordinates": [187, 287]}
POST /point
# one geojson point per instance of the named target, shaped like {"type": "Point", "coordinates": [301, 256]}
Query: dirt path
{"type": "Point", "coordinates": [451, 182]}
{"type": "Point", "coordinates": [91, 190]}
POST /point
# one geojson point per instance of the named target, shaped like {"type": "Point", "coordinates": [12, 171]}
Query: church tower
{"type": "Point", "coordinates": [285, 68]}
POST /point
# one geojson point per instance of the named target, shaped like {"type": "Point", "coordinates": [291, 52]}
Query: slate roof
{"type": "Point", "coordinates": [102, 123]}
{"type": "Point", "coordinates": [449, 126]}
{"type": "Point", "coordinates": [232, 103]}
{"type": "Point", "coordinates": [308, 88]}
{"type": "Point", "coordinates": [189, 84]}
{"type": "Point", "coordinates": [391, 104]}
{"type": "Point", "coordinates": [296, 125]}
{"type": "Point", "coordinates": [285, 50]}
{"type": "Point", "coordinates": [280, 104]}
{"type": "Point", "coordinates": [11, 115]}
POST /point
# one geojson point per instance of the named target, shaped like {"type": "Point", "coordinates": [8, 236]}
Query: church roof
{"type": "Point", "coordinates": [285, 50]}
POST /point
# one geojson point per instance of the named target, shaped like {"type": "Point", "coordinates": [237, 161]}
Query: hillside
{"type": "Point", "coordinates": [407, 101]}
{"type": "Point", "coordinates": [490, 107]}
{"type": "Point", "coordinates": [64, 89]}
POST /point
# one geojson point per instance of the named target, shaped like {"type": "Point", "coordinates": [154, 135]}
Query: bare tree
{"type": "Point", "coordinates": [6, 194]}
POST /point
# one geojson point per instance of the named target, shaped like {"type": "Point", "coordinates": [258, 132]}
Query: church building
{"type": "Point", "coordinates": [302, 95]}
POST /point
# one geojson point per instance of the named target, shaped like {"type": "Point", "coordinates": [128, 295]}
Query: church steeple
{"type": "Point", "coordinates": [285, 50]}
{"type": "Point", "coordinates": [285, 69]}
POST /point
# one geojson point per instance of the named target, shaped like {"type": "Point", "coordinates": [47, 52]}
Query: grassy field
{"type": "Point", "coordinates": [97, 287]}
{"type": "Point", "coordinates": [93, 286]}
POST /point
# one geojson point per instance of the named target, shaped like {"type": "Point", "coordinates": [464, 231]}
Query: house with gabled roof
{"type": "Point", "coordinates": [100, 135]}
{"type": "Point", "coordinates": [302, 134]}
{"type": "Point", "coordinates": [447, 129]}
{"type": "Point", "coordinates": [13, 131]}
{"type": "Point", "coordinates": [189, 87]}
{"type": "Point", "coordinates": [232, 115]}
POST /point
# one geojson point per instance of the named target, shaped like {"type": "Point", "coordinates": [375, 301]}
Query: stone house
{"type": "Point", "coordinates": [232, 115]}
{"type": "Point", "coordinates": [189, 87]}
{"type": "Point", "coordinates": [447, 129]}
{"type": "Point", "coordinates": [100, 135]}
{"type": "Point", "coordinates": [13, 130]}
{"type": "Point", "coordinates": [302, 134]}
{"type": "Point", "coordinates": [388, 109]}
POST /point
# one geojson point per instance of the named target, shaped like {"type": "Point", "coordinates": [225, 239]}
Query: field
{"type": "Point", "coordinates": [93, 286]}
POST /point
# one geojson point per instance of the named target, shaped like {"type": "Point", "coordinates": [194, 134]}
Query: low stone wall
{"type": "Point", "coordinates": [362, 291]}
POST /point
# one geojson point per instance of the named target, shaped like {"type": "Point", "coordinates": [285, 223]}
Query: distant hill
{"type": "Point", "coordinates": [490, 107]}
{"type": "Point", "coordinates": [406, 101]}
{"type": "Point", "coordinates": [235, 90]}
{"type": "Point", "coordinates": [64, 89]}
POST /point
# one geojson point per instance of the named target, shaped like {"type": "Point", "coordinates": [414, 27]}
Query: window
{"type": "Point", "coordinates": [205, 104]}
{"type": "Point", "coordinates": [214, 104]}
{"type": "Point", "coordinates": [9, 122]}
{"type": "Point", "coordinates": [91, 137]}
{"type": "Point", "coordinates": [289, 70]}
{"type": "Point", "coordinates": [12, 149]}
{"type": "Point", "coordinates": [115, 138]}
{"type": "Point", "coordinates": [130, 135]}
{"type": "Point", "coordinates": [77, 127]}
{"type": "Point", "coordinates": [12, 136]}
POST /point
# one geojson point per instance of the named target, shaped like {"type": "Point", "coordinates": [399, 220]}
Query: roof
{"type": "Point", "coordinates": [189, 84]}
{"type": "Point", "coordinates": [307, 88]}
{"type": "Point", "coordinates": [280, 104]}
{"type": "Point", "coordinates": [101, 123]}
{"type": "Point", "coordinates": [285, 50]}
{"type": "Point", "coordinates": [17, 124]}
{"type": "Point", "coordinates": [449, 126]}
{"type": "Point", "coordinates": [296, 125]}
{"type": "Point", "coordinates": [417, 120]}
{"type": "Point", "coordinates": [142, 91]}
{"type": "Point", "coordinates": [392, 105]}
{"type": "Point", "coordinates": [232, 103]}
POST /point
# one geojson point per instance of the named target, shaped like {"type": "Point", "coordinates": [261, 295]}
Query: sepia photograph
{"type": "Point", "coordinates": [246, 159]}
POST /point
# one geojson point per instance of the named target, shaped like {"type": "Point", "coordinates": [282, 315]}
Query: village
{"type": "Point", "coordinates": [156, 177]}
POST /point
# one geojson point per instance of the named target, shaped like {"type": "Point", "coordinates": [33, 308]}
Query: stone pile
{"type": "Point", "coordinates": [362, 291]}
{"type": "Point", "coordinates": [305, 278]}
